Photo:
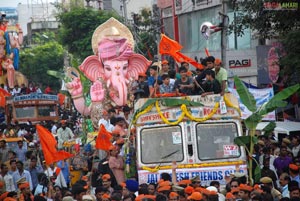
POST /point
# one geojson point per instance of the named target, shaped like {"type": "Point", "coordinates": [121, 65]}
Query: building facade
{"type": "Point", "coordinates": [182, 20]}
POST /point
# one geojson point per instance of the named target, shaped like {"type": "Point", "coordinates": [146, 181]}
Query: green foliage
{"type": "Point", "coordinates": [246, 97]}
{"type": "Point", "coordinates": [257, 172]}
{"type": "Point", "coordinates": [35, 61]}
{"type": "Point", "coordinates": [145, 32]}
{"type": "Point", "coordinates": [291, 44]}
{"type": "Point", "coordinates": [245, 140]}
{"type": "Point", "coordinates": [268, 23]}
{"type": "Point", "coordinates": [252, 121]}
{"type": "Point", "coordinates": [257, 115]}
{"type": "Point", "coordinates": [277, 100]}
{"type": "Point", "coordinates": [77, 28]}
{"type": "Point", "coordinates": [269, 128]}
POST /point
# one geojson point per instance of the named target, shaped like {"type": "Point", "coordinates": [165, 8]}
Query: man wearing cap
{"type": "Point", "coordinates": [195, 196]}
{"type": "Point", "coordinates": [267, 181]}
{"type": "Point", "coordinates": [106, 182]}
{"type": "Point", "coordinates": [196, 182]}
{"type": "Point", "coordinates": [173, 196]}
{"type": "Point", "coordinates": [164, 67]}
{"type": "Point", "coordinates": [244, 192]}
{"type": "Point", "coordinates": [294, 173]}
{"type": "Point", "coordinates": [25, 192]}
{"type": "Point", "coordinates": [284, 180]}
{"type": "Point", "coordinates": [64, 134]}
{"type": "Point", "coordinates": [286, 142]}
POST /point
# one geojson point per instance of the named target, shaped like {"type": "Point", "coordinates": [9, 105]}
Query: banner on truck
{"type": "Point", "coordinates": [206, 174]}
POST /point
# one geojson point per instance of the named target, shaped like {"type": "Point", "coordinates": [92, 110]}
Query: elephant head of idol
{"type": "Point", "coordinates": [114, 62]}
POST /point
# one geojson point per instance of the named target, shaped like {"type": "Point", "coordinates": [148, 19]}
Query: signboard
{"type": "Point", "coordinates": [231, 150]}
{"type": "Point", "coordinates": [236, 63]}
{"type": "Point", "coordinates": [174, 114]}
{"type": "Point", "coordinates": [206, 174]}
{"type": "Point", "coordinates": [261, 96]}
{"type": "Point", "coordinates": [36, 96]}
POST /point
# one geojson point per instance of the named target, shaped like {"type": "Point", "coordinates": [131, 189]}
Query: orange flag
{"type": "Point", "coordinates": [3, 94]}
{"type": "Point", "coordinates": [103, 140]}
{"type": "Point", "coordinates": [48, 144]}
{"type": "Point", "coordinates": [61, 98]}
{"type": "Point", "coordinates": [189, 60]}
{"type": "Point", "coordinates": [172, 48]}
{"type": "Point", "coordinates": [168, 46]}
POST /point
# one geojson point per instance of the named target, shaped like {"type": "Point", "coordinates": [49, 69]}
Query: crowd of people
{"type": "Point", "coordinates": [23, 89]}
{"type": "Point", "coordinates": [24, 174]}
{"type": "Point", "coordinates": [162, 79]}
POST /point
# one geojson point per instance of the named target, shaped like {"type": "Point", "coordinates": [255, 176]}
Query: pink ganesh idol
{"type": "Point", "coordinates": [111, 69]}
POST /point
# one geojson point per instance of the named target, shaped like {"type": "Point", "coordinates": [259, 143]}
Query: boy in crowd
{"type": "Point", "coordinates": [185, 84]}
{"type": "Point", "coordinates": [166, 86]}
{"type": "Point", "coordinates": [213, 85]}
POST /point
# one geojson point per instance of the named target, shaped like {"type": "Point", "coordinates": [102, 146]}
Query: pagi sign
{"type": "Point", "coordinates": [239, 63]}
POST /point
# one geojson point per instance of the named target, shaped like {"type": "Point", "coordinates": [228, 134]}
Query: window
{"type": "Point", "coordinates": [25, 112]}
{"type": "Point", "coordinates": [215, 141]}
{"type": "Point", "coordinates": [45, 111]}
{"type": "Point", "coordinates": [161, 144]}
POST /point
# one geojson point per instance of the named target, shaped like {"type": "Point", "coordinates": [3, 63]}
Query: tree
{"type": "Point", "coordinates": [257, 115]}
{"type": "Point", "coordinates": [291, 44]}
{"type": "Point", "coordinates": [77, 27]}
{"type": "Point", "coordinates": [267, 22]}
{"type": "Point", "coordinates": [35, 61]}
{"type": "Point", "coordinates": [145, 30]}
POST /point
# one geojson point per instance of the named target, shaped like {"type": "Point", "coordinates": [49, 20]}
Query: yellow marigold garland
{"type": "Point", "coordinates": [165, 120]}
{"type": "Point", "coordinates": [229, 104]}
{"type": "Point", "coordinates": [146, 110]}
{"type": "Point", "coordinates": [191, 117]}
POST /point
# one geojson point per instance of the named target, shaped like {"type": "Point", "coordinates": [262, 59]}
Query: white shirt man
{"type": "Point", "coordinates": [64, 134]}
{"type": "Point", "coordinates": [7, 178]}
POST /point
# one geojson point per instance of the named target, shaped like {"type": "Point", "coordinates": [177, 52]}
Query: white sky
{"type": "Point", "coordinates": [14, 3]}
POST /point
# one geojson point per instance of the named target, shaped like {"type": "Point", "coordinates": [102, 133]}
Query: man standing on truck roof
{"type": "Point", "coordinates": [64, 134]}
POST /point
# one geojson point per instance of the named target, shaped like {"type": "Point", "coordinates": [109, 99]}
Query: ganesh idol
{"type": "Point", "coordinates": [111, 70]}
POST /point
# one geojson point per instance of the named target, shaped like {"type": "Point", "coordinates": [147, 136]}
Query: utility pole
{"type": "Point", "coordinates": [225, 22]}
{"type": "Point", "coordinates": [125, 11]}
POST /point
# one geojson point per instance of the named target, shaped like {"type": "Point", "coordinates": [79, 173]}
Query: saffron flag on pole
{"type": "Point", "coordinates": [172, 48]}
{"type": "Point", "coordinates": [49, 149]}
{"type": "Point", "coordinates": [103, 139]}
{"type": "Point", "coordinates": [3, 94]}
{"type": "Point", "coordinates": [168, 46]}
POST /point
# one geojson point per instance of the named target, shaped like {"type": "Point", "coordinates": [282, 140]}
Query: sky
{"type": "Point", "coordinates": [14, 3]}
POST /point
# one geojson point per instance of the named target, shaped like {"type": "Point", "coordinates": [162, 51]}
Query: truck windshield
{"type": "Point", "coordinates": [215, 140]}
{"type": "Point", "coordinates": [25, 112]}
{"type": "Point", "coordinates": [161, 144]}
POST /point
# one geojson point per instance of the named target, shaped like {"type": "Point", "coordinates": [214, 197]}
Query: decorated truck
{"type": "Point", "coordinates": [34, 107]}
{"type": "Point", "coordinates": [196, 132]}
